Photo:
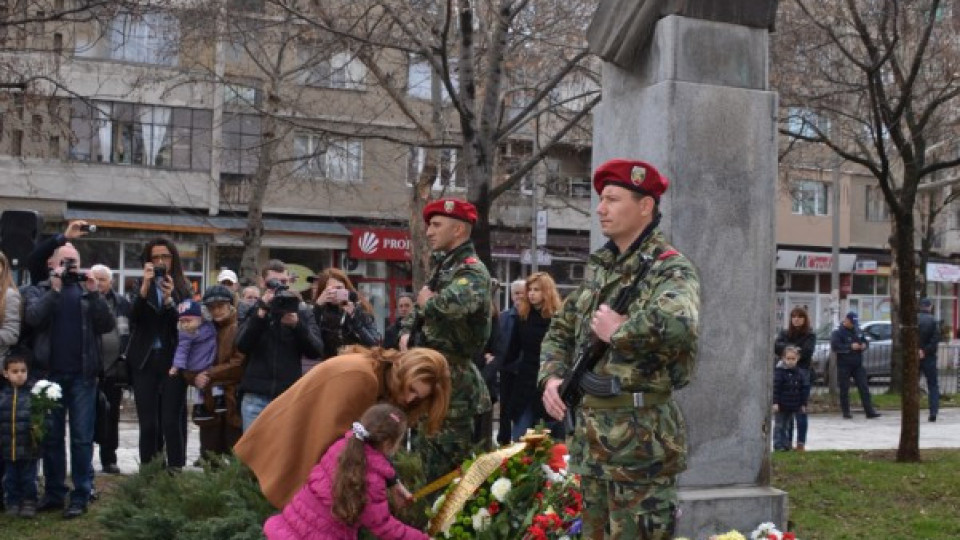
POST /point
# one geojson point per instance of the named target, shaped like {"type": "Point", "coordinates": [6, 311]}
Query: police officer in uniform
{"type": "Point", "coordinates": [453, 310]}
{"type": "Point", "coordinates": [628, 447]}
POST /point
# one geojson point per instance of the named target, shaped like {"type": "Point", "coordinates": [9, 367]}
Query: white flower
{"type": "Point", "coordinates": [564, 537]}
{"type": "Point", "coordinates": [54, 392]}
{"type": "Point", "coordinates": [555, 477]}
{"type": "Point", "coordinates": [41, 384]}
{"type": "Point", "coordinates": [481, 520]}
{"type": "Point", "coordinates": [764, 530]}
{"type": "Point", "coordinates": [501, 488]}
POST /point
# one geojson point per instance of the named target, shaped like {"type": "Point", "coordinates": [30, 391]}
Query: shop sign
{"type": "Point", "coordinates": [380, 244]}
{"type": "Point", "coordinates": [866, 266]}
{"type": "Point", "coordinates": [812, 262]}
{"type": "Point", "coordinates": [944, 273]}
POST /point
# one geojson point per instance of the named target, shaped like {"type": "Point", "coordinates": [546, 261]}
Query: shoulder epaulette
{"type": "Point", "coordinates": [667, 254]}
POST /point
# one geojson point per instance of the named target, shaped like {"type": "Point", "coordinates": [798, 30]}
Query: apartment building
{"type": "Point", "coordinates": [805, 231]}
{"type": "Point", "coordinates": [152, 123]}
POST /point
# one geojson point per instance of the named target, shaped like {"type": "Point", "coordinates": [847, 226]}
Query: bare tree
{"type": "Point", "coordinates": [876, 83]}
{"type": "Point", "coordinates": [501, 65]}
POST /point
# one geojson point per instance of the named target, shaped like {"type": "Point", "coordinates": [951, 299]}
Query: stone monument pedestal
{"type": "Point", "coordinates": [698, 107]}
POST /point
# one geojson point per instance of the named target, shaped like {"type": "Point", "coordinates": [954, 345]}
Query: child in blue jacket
{"type": "Point", "coordinates": [790, 391]}
{"type": "Point", "coordinates": [19, 448]}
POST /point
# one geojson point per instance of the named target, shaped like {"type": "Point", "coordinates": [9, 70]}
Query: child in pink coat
{"type": "Point", "coordinates": [347, 490]}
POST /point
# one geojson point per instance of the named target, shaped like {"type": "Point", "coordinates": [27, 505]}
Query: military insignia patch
{"type": "Point", "coordinates": [448, 206]}
{"type": "Point", "coordinates": [471, 260]}
{"type": "Point", "coordinates": [637, 175]}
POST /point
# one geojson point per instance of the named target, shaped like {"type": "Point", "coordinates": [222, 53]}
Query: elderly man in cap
{"type": "Point", "coordinates": [641, 308]}
{"type": "Point", "coordinates": [849, 342]}
{"type": "Point", "coordinates": [928, 337]}
{"type": "Point", "coordinates": [452, 315]}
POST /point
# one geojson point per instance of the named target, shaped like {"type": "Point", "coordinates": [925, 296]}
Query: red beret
{"type": "Point", "coordinates": [636, 176]}
{"type": "Point", "coordinates": [454, 208]}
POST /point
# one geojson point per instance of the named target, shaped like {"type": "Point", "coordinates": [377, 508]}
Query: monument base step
{"type": "Point", "coordinates": [708, 511]}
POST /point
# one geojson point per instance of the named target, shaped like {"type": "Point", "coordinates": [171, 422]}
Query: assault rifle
{"type": "Point", "coordinates": [417, 337]}
{"type": "Point", "coordinates": [581, 378]}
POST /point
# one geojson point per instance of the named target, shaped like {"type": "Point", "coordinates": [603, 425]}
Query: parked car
{"type": "Point", "coordinates": [876, 359]}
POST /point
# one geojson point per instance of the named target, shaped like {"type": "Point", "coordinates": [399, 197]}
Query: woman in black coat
{"type": "Point", "coordinates": [800, 335]}
{"type": "Point", "coordinates": [344, 317]}
{"type": "Point", "coordinates": [522, 356]}
{"type": "Point", "coordinates": [160, 397]}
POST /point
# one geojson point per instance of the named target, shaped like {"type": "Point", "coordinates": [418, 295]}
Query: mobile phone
{"type": "Point", "coordinates": [88, 228]}
{"type": "Point", "coordinates": [159, 271]}
{"type": "Point", "coordinates": [342, 295]}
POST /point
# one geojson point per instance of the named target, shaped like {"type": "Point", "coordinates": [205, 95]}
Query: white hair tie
{"type": "Point", "coordinates": [360, 432]}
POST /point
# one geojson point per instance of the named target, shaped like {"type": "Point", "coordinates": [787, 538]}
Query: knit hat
{"type": "Point", "coordinates": [217, 293]}
{"type": "Point", "coordinates": [853, 317]}
{"type": "Point", "coordinates": [189, 308]}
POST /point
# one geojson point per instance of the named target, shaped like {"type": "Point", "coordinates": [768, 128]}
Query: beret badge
{"type": "Point", "coordinates": [637, 175]}
{"type": "Point", "coordinates": [448, 206]}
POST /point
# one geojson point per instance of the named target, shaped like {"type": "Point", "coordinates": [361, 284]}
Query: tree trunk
{"type": "Point", "coordinates": [896, 343]}
{"type": "Point", "coordinates": [908, 450]}
{"type": "Point", "coordinates": [253, 233]}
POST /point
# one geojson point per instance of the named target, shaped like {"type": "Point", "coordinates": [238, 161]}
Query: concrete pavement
{"type": "Point", "coordinates": [833, 432]}
{"type": "Point", "coordinates": [826, 432]}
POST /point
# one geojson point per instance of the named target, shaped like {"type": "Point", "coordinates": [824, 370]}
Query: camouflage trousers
{"type": "Point", "coordinates": [629, 511]}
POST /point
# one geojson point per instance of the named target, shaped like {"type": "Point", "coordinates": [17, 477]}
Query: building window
{"type": "Point", "coordinates": [805, 123]}
{"type": "Point", "coordinates": [446, 177]}
{"type": "Point", "coordinates": [341, 70]}
{"type": "Point", "coordinates": [238, 96]}
{"type": "Point", "coordinates": [810, 198]}
{"type": "Point", "coordinates": [334, 159]}
{"type": "Point", "coordinates": [420, 75]}
{"type": "Point", "coordinates": [241, 143]}
{"type": "Point", "coordinates": [136, 134]}
{"type": "Point", "coordinates": [876, 205]}
{"type": "Point", "coordinates": [147, 38]}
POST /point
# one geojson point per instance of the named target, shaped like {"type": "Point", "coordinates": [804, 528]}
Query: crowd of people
{"type": "Point", "coordinates": [307, 393]}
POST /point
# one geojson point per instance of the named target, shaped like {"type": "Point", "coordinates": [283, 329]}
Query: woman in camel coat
{"type": "Point", "coordinates": [290, 436]}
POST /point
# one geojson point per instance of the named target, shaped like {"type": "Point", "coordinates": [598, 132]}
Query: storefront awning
{"type": "Point", "coordinates": [278, 232]}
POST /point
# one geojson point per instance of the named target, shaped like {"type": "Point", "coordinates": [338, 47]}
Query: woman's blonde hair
{"type": "Point", "coordinates": [551, 298]}
{"type": "Point", "coordinates": [337, 274]}
{"type": "Point", "coordinates": [404, 368]}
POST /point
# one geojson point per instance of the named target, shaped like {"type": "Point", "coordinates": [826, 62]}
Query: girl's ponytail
{"type": "Point", "coordinates": [381, 425]}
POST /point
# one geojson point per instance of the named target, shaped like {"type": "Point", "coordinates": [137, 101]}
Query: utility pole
{"type": "Point", "coordinates": [835, 249]}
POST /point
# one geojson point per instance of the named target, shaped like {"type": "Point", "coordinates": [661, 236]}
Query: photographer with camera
{"type": "Point", "coordinates": [38, 262]}
{"type": "Point", "coordinates": [160, 397]}
{"type": "Point", "coordinates": [114, 375]}
{"type": "Point", "coordinates": [66, 321]}
{"type": "Point", "coordinates": [343, 316]}
{"type": "Point", "coordinates": [275, 335]}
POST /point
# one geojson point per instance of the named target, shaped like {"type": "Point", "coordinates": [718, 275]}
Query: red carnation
{"type": "Point", "coordinates": [556, 461]}
{"type": "Point", "coordinates": [493, 508]}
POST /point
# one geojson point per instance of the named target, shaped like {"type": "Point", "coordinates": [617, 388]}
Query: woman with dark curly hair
{"type": "Point", "coordinates": [160, 397]}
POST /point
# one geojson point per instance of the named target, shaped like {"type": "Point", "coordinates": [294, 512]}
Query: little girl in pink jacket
{"type": "Point", "coordinates": [348, 488]}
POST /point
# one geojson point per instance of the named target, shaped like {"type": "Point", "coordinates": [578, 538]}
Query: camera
{"type": "Point", "coordinates": [276, 285]}
{"type": "Point", "coordinates": [159, 273]}
{"type": "Point", "coordinates": [71, 272]}
{"type": "Point", "coordinates": [88, 228]}
{"type": "Point", "coordinates": [284, 302]}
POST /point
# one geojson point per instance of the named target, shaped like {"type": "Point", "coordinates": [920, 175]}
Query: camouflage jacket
{"type": "Point", "coordinates": [456, 320]}
{"type": "Point", "coordinates": [654, 350]}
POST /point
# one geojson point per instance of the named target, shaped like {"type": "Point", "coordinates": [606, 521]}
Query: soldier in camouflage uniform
{"type": "Point", "coordinates": [454, 310]}
{"type": "Point", "coordinates": [628, 448]}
